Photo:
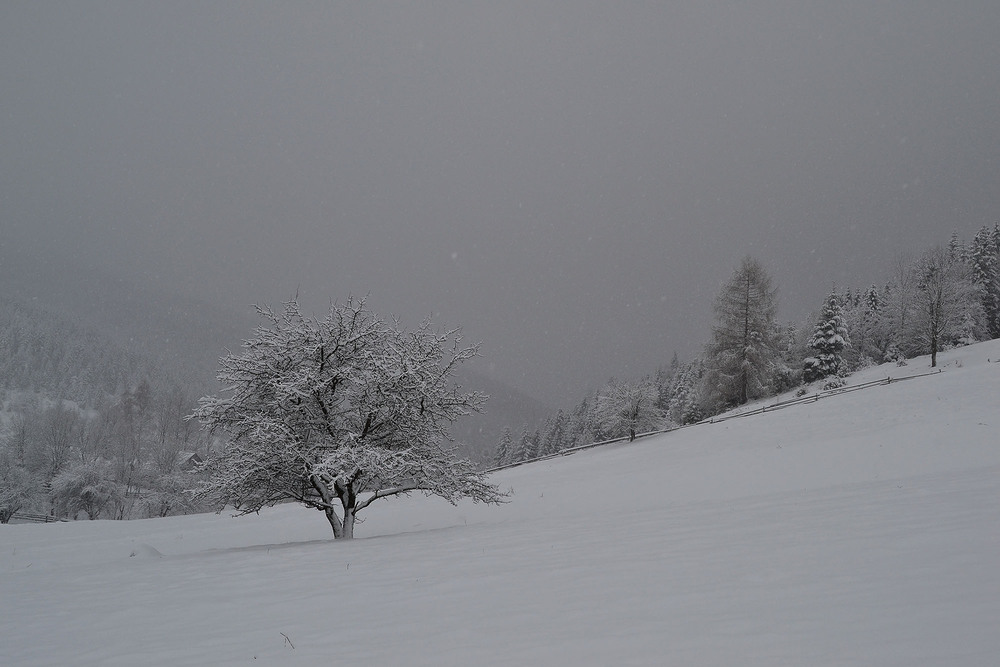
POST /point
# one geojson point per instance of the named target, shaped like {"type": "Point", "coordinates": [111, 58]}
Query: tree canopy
{"type": "Point", "coordinates": [338, 412]}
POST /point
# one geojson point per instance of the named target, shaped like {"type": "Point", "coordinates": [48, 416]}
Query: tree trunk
{"type": "Point", "coordinates": [342, 529]}
{"type": "Point", "coordinates": [348, 532]}
{"type": "Point", "coordinates": [935, 330]}
{"type": "Point", "coordinates": [335, 523]}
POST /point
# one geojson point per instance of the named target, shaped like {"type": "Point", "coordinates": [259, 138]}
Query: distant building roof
{"type": "Point", "coordinates": [187, 460]}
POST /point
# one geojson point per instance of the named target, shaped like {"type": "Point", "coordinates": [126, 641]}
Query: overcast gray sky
{"type": "Point", "coordinates": [570, 181]}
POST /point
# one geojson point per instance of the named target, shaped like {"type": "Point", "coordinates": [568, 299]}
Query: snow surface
{"type": "Point", "coordinates": [863, 529]}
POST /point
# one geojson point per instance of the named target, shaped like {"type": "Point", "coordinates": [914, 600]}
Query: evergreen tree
{"type": "Point", "coordinates": [665, 381]}
{"type": "Point", "coordinates": [870, 333]}
{"type": "Point", "coordinates": [579, 429]}
{"type": "Point", "coordinates": [873, 299]}
{"type": "Point", "coordinates": [956, 251]}
{"type": "Point", "coordinates": [685, 404]}
{"type": "Point", "coordinates": [741, 358]}
{"type": "Point", "coordinates": [554, 438]}
{"type": "Point", "coordinates": [829, 340]}
{"type": "Point", "coordinates": [525, 448]}
{"type": "Point", "coordinates": [504, 448]}
{"type": "Point", "coordinates": [982, 258]}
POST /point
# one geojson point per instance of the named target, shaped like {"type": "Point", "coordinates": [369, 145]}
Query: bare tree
{"type": "Point", "coordinates": [900, 302]}
{"type": "Point", "coordinates": [339, 412]}
{"type": "Point", "coordinates": [18, 487]}
{"type": "Point", "coordinates": [17, 437]}
{"type": "Point", "coordinates": [623, 408]}
{"type": "Point", "coordinates": [947, 303]}
{"type": "Point", "coordinates": [59, 425]}
{"type": "Point", "coordinates": [86, 487]}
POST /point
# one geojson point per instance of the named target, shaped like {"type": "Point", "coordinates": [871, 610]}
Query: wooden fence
{"type": "Point", "coordinates": [27, 517]}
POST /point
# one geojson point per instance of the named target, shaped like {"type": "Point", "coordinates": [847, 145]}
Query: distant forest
{"type": "Point", "coordinates": [88, 427]}
{"type": "Point", "coordinates": [946, 297]}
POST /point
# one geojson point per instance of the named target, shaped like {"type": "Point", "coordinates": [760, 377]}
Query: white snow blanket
{"type": "Point", "coordinates": [863, 529]}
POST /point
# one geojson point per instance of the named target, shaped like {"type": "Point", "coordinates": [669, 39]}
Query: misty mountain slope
{"type": "Point", "coordinates": [55, 357]}
{"type": "Point", "coordinates": [477, 435]}
{"type": "Point", "coordinates": [186, 335]}
{"type": "Point", "coordinates": [860, 529]}
{"type": "Point", "coordinates": [178, 337]}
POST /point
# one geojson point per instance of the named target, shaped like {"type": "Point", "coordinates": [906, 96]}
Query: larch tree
{"type": "Point", "coordinates": [336, 413]}
{"type": "Point", "coordinates": [741, 358]}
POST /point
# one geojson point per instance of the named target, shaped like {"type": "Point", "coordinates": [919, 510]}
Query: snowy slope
{"type": "Point", "coordinates": [862, 529]}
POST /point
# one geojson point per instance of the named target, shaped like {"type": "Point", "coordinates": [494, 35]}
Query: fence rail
{"type": "Point", "coordinates": [27, 517]}
{"type": "Point", "coordinates": [797, 400]}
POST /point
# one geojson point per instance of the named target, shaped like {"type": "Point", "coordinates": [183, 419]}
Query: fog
{"type": "Point", "coordinates": [568, 181]}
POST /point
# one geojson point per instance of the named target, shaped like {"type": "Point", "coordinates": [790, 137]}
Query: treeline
{"type": "Point", "coordinates": [946, 297]}
{"type": "Point", "coordinates": [88, 428]}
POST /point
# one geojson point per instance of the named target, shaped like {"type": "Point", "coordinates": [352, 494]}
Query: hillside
{"type": "Point", "coordinates": [859, 529]}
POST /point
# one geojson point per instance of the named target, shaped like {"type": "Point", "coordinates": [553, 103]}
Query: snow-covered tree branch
{"type": "Point", "coordinates": [338, 412]}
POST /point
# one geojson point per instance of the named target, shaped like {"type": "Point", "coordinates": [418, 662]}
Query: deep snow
{"type": "Point", "coordinates": [861, 529]}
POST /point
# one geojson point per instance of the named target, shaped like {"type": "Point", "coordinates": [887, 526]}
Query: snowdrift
{"type": "Point", "coordinates": [860, 529]}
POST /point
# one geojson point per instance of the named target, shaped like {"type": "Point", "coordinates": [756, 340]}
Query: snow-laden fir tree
{"type": "Point", "coordinates": [525, 448]}
{"type": "Point", "coordinates": [580, 428]}
{"type": "Point", "coordinates": [982, 257]}
{"type": "Point", "coordinates": [956, 249]}
{"type": "Point", "coordinates": [554, 435]}
{"type": "Point", "coordinates": [741, 357]}
{"type": "Point", "coordinates": [685, 404]}
{"type": "Point", "coordinates": [873, 300]}
{"type": "Point", "coordinates": [870, 330]}
{"type": "Point", "coordinates": [504, 448]}
{"type": "Point", "coordinates": [828, 341]}
{"type": "Point", "coordinates": [336, 413]}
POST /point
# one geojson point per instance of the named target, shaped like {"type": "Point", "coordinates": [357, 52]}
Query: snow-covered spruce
{"type": "Point", "coordinates": [339, 412]}
{"type": "Point", "coordinates": [828, 340]}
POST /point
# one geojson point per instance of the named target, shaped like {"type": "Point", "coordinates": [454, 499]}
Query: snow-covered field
{"type": "Point", "coordinates": [861, 529]}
